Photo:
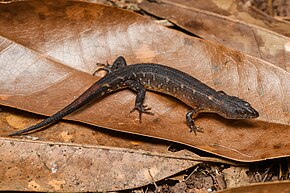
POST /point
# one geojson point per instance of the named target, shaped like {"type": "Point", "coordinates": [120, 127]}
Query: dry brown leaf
{"type": "Point", "coordinates": [68, 131]}
{"type": "Point", "coordinates": [63, 167]}
{"type": "Point", "coordinates": [84, 134]}
{"type": "Point", "coordinates": [236, 176]}
{"type": "Point", "coordinates": [237, 10]}
{"type": "Point", "coordinates": [49, 44]}
{"type": "Point", "coordinates": [230, 27]}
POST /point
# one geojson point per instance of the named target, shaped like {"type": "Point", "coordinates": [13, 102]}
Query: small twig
{"type": "Point", "coordinates": [145, 190]}
{"type": "Point", "coordinates": [270, 7]}
{"type": "Point", "coordinates": [192, 173]}
{"type": "Point", "coordinates": [153, 181]}
{"type": "Point", "coordinates": [266, 174]}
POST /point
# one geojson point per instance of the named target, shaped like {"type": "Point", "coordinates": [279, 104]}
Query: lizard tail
{"type": "Point", "coordinates": [83, 99]}
{"type": "Point", "coordinates": [52, 119]}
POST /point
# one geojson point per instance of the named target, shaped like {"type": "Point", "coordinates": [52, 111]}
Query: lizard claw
{"type": "Point", "coordinates": [196, 129]}
{"type": "Point", "coordinates": [142, 109]}
{"type": "Point", "coordinates": [106, 67]}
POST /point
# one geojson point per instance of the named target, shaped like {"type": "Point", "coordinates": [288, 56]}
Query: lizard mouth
{"type": "Point", "coordinates": [246, 113]}
{"type": "Point", "coordinates": [252, 113]}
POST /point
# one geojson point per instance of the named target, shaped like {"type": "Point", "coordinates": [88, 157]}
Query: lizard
{"type": "Point", "coordinates": [141, 77]}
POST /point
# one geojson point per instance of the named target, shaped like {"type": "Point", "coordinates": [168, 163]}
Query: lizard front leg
{"type": "Point", "coordinates": [141, 91]}
{"type": "Point", "coordinates": [120, 62]}
{"type": "Point", "coordinates": [190, 120]}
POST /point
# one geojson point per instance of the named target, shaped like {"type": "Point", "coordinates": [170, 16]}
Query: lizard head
{"type": "Point", "coordinates": [237, 108]}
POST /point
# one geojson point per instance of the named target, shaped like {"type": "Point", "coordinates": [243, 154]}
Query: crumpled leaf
{"type": "Point", "coordinates": [49, 53]}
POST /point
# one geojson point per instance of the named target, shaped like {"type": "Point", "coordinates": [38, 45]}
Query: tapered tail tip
{"type": "Point", "coordinates": [15, 133]}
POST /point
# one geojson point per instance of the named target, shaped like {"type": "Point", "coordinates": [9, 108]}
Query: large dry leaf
{"type": "Point", "coordinates": [42, 166]}
{"type": "Point", "coordinates": [232, 31]}
{"type": "Point", "coordinates": [49, 44]}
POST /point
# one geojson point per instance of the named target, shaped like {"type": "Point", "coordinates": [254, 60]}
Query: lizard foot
{"type": "Point", "coordinates": [106, 67]}
{"type": "Point", "coordinates": [196, 129]}
{"type": "Point", "coordinates": [142, 109]}
{"type": "Point", "coordinates": [190, 122]}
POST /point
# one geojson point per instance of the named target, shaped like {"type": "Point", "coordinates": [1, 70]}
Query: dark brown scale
{"type": "Point", "coordinates": [159, 78]}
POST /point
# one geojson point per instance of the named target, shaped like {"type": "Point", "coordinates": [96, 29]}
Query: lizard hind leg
{"type": "Point", "coordinates": [120, 62]}
{"type": "Point", "coordinates": [141, 91]}
{"type": "Point", "coordinates": [190, 120]}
